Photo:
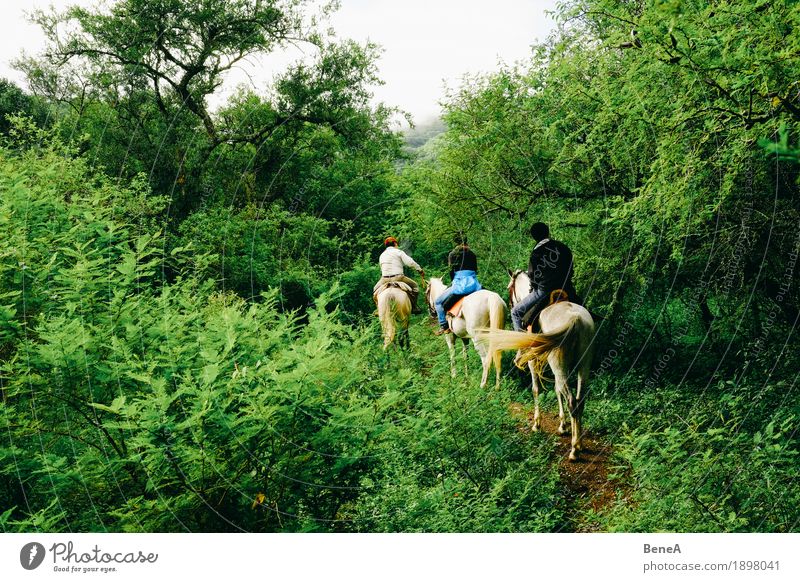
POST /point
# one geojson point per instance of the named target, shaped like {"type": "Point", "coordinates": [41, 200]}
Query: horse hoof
{"type": "Point", "coordinates": [562, 431]}
{"type": "Point", "coordinates": [573, 456]}
{"type": "Point", "coordinates": [535, 428]}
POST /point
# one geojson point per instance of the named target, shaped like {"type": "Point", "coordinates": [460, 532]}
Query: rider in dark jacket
{"type": "Point", "coordinates": [549, 268]}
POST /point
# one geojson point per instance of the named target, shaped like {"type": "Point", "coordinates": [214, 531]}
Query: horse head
{"type": "Point", "coordinates": [433, 290]}
{"type": "Point", "coordinates": [429, 300]}
{"type": "Point", "coordinates": [518, 286]}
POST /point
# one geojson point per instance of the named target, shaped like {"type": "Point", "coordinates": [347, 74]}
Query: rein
{"type": "Point", "coordinates": [512, 288]}
{"type": "Point", "coordinates": [431, 310]}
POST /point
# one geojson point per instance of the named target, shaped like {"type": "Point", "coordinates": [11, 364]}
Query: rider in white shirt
{"type": "Point", "coordinates": [392, 261]}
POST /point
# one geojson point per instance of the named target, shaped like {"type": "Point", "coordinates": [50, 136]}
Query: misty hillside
{"type": "Point", "coordinates": [422, 133]}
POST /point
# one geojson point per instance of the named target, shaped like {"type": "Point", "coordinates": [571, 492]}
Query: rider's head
{"type": "Point", "coordinates": [540, 231]}
{"type": "Point", "coordinates": [460, 238]}
{"type": "Point", "coordinates": [390, 241]}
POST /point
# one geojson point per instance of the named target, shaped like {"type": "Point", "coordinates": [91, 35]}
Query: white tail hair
{"type": "Point", "coordinates": [497, 321]}
{"type": "Point", "coordinates": [533, 347]}
{"type": "Point", "coordinates": [393, 304]}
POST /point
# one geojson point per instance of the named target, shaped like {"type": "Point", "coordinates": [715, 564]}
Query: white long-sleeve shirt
{"type": "Point", "coordinates": [392, 261]}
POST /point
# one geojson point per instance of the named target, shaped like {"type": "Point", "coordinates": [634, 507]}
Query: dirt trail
{"type": "Point", "coordinates": [586, 480]}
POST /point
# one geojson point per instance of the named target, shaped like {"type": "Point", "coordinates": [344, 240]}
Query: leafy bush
{"type": "Point", "coordinates": [137, 403]}
{"type": "Point", "coordinates": [705, 475]}
{"type": "Point", "coordinates": [461, 463]}
{"type": "Point", "coordinates": [253, 250]}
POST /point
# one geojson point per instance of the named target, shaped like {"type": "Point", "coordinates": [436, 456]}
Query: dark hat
{"type": "Point", "coordinates": [539, 231]}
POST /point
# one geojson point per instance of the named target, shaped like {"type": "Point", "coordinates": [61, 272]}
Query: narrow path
{"type": "Point", "coordinates": [586, 480]}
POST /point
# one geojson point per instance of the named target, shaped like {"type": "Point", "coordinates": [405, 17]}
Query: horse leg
{"type": "Point", "coordinates": [562, 394]}
{"type": "Point", "coordinates": [575, 422]}
{"type": "Point", "coordinates": [562, 427]}
{"type": "Point", "coordinates": [537, 421]}
{"type": "Point", "coordinates": [497, 360]}
{"type": "Point", "coordinates": [465, 354]}
{"type": "Point", "coordinates": [486, 361]}
{"type": "Point", "coordinates": [580, 397]}
{"type": "Point", "coordinates": [387, 338]}
{"type": "Point", "coordinates": [451, 348]}
{"type": "Point", "coordinates": [561, 384]}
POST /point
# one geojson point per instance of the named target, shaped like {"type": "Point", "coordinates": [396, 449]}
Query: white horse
{"type": "Point", "coordinates": [565, 343]}
{"type": "Point", "coordinates": [394, 309]}
{"type": "Point", "coordinates": [481, 309]}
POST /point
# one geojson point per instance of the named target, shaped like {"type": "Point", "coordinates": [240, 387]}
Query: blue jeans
{"type": "Point", "coordinates": [439, 304]}
{"type": "Point", "coordinates": [521, 308]}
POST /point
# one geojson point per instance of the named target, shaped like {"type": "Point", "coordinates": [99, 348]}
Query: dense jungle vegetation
{"type": "Point", "coordinates": [187, 340]}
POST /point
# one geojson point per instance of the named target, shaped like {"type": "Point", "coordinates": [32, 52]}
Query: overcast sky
{"type": "Point", "coordinates": [427, 43]}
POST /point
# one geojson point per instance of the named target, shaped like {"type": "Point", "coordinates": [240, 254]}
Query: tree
{"type": "Point", "coordinates": [178, 50]}
{"type": "Point", "coordinates": [638, 124]}
{"type": "Point", "coordinates": [14, 101]}
{"type": "Point", "coordinates": [138, 80]}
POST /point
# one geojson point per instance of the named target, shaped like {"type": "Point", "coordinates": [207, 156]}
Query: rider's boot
{"type": "Point", "coordinates": [415, 309]}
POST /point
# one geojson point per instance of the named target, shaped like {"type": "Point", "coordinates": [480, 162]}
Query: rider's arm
{"type": "Point", "coordinates": [534, 265]}
{"type": "Point", "coordinates": [474, 261]}
{"type": "Point", "coordinates": [409, 262]}
{"type": "Point", "coordinates": [450, 269]}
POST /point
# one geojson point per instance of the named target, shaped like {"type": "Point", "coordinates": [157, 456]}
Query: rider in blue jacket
{"type": "Point", "coordinates": [463, 265]}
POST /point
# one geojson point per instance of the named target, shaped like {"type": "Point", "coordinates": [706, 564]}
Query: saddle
{"type": "Point", "coordinates": [531, 319]}
{"type": "Point", "coordinates": [398, 284]}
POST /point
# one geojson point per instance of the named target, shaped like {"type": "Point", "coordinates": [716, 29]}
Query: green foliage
{"type": "Point", "coordinates": [355, 299]}
{"type": "Point", "coordinates": [720, 463]}
{"type": "Point", "coordinates": [186, 338]}
{"type": "Point", "coordinates": [633, 132]}
{"type": "Point", "coordinates": [462, 464]}
{"type": "Point", "coordinates": [780, 147]}
{"type": "Point", "coordinates": [708, 477]}
{"type": "Point", "coordinates": [14, 101]}
{"type": "Point", "coordinates": [311, 143]}
{"type": "Point", "coordinates": [136, 403]}
{"type": "Point", "coordinates": [252, 251]}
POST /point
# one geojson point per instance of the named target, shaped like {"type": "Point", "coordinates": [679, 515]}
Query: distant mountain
{"type": "Point", "coordinates": [424, 132]}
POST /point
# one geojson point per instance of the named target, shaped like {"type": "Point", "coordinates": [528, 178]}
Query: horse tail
{"type": "Point", "coordinates": [393, 306]}
{"type": "Point", "coordinates": [497, 312]}
{"type": "Point", "coordinates": [385, 301]}
{"type": "Point", "coordinates": [497, 321]}
{"type": "Point", "coordinates": [402, 308]}
{"type": "Point", "coordinates": [562, 337]}
{"type": "Point", "coordinates": [532, 347]}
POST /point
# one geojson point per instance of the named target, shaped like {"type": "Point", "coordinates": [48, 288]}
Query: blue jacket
{"type": "Point", "coordinates": [465, 282]}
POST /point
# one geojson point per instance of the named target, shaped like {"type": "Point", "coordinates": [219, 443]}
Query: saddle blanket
{"type": "Point", "coordinates": [530, 320]}
{"type": "Point", "coordinates": [399, 284]}
{"type": "Point", "coordinates": [455, 309]}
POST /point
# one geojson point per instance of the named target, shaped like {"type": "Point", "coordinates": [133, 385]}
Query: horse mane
{"type": "Point", "coordinates": [512, 284]}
